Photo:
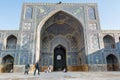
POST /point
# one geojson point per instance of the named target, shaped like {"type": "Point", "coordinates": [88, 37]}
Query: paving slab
{"type": "Point", "coordinates": [62, 76]}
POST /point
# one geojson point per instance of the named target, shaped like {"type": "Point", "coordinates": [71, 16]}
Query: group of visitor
{"type": "Point", "coordinates": [37, 68]}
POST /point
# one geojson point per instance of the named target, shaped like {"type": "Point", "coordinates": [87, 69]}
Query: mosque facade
{"type": "Point", "coordinates": [61, 35]}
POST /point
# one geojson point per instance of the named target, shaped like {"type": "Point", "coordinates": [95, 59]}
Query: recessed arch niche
{"type": "Point", "coordinates": [8, 62]}
{"type": "Point", "coordinates": [112, 63]}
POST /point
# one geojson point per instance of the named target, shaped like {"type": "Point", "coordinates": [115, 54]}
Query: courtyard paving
{"type": "Point", "coordinates": [62, 76]}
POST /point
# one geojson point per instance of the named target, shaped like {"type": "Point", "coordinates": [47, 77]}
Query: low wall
{"type": "Point", "coordinates": [70, 68]}
{"type": "Point", "coordinates": [2, 69]}
{"type": "Point", "coordinates": [84, 68]}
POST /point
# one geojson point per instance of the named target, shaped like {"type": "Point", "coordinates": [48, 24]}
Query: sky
{"type": "Point", "coordinates": [109, 12]}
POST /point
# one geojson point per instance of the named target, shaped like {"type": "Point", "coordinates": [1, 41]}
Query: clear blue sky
{"type": "Point", "coordinates": [109, 12]}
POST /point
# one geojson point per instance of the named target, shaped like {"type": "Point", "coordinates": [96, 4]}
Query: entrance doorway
{"type": "Point", "coordinates": [112, 63]}
{"type": "Point", "coordinates": [59, 58]}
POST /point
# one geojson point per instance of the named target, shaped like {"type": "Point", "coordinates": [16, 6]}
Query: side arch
{"type": "Point", "coordinates": [112, 63]}
{"type": "Point", "coordinates": [8, 63]}
{"type": "Point", "coordinates": [109, 42]}
{"type": "Point", "coordinates": [11, 42]}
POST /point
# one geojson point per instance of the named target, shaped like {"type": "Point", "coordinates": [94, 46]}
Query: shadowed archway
{"type": "Point", "coordinates": [8, 62]}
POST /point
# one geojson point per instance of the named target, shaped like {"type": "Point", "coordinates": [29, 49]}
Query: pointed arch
{"type": "Point", "coordinates": [60, 40]}
{"type": "Point", "coordinates": [52, 14]}
{"type": "Point", "coordinates": [55, 13]}
{"type": "Point", "coordinates": [109, 42]}
{"type": "Point", "coordinates": [11, 42]}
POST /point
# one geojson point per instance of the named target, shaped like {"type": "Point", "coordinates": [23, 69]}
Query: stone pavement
{"type": "Point", "coordinates": [62, 76]}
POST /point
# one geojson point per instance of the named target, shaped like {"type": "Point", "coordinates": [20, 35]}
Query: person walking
{"type": "Point", "coordinates": [27, 67]}
{"type": "Point", "coordinates": [36, 68]}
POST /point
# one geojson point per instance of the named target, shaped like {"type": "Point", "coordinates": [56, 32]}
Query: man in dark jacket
{"type": "Point", "coordinates": [36, 68]}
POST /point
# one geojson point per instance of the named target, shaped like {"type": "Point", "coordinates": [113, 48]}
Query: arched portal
{"type": "Point", "coordinates": [112, 63]}
{"type": "Point", "coordinates": [8, 62]}
{"type": "Point", "coordinates": [59, 58]}
{"type": "Point", "coordinates": [64, 29]}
